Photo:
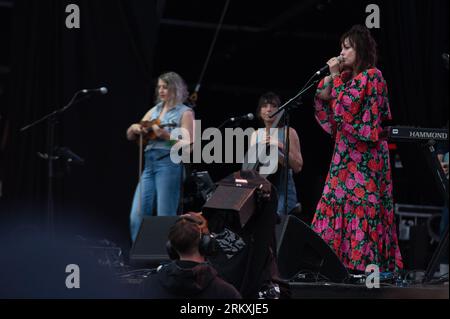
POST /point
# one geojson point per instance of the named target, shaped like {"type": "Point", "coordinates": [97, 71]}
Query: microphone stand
{"type": "Point", "coordinates": [52, 121]}
{"type": "Point", "coordinates": [236, 122]}
{"type": "Point", "coordinates": [223, 124]}
{"type": "Point", "coordinates": [287, 107]}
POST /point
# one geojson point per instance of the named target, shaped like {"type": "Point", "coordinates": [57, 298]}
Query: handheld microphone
{"type": "Point", "coordinates": [103, 90]}
{"type": "Point", "coordinates": [248, 117]}
{"type": "Point", "coordinates": [326, 69]}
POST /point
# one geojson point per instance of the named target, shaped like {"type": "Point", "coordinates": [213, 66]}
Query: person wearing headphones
{"type": "Point", "coordinates": [189, 275]}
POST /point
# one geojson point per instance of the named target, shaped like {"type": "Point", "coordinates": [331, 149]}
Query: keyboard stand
{"type": "Point", "coordinates": [442, 181]}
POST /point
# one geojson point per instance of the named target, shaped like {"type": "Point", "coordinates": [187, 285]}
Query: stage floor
{"type": "Point", "coordinates": [328, 290]}
{"type": "Point", "coordinates": [347, 291]}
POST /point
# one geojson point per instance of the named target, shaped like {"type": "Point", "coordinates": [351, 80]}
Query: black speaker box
{"type": "Point", "coordinates": [301, 251]}
{"type": "Point", "coordinates": [236, 199]}
{"type": "Point", "coordinates": [149, 248]}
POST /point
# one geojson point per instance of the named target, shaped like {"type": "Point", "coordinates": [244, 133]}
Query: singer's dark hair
{"type": "Point", "coordinates": [365, 46]}
{"type": "Point", "coordinates": [267, 98]}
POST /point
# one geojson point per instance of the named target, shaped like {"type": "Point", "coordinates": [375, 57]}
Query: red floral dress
{"type": "Point", "coordinates": [355, 214]}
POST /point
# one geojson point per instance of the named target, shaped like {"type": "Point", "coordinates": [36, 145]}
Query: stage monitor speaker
{"type": "Point", "coordinates": [149, 248]}
{"type": "Point", "coordinates": [235, 199]}
{"type": "Point", "coordinates": [302, 251]}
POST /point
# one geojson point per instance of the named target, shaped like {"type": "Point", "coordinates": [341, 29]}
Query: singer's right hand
{"type": "Point", "coordinates": [335, 65]}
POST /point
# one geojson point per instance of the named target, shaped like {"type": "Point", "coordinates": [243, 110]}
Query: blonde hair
{"type": "Point", "coordinates": [176, 86]}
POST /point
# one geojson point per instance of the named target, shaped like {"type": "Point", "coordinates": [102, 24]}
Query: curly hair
{"type": "Point", "coordinates": [360, 38]}
{"type": "Point", "coordinates": [178, 92]}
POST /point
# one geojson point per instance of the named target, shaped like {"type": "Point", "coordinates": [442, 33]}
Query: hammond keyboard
{"type": "Point", "coordinates": [413, 134]}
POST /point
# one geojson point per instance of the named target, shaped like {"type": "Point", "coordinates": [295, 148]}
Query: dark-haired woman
{"type": "Point", "coordinates": [355, 213]}
{"type": "Point", "coordinates": [269, 104]}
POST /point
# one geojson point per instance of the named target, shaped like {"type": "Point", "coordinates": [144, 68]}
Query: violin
{"type": "Point", "coordinates": [151, 135]}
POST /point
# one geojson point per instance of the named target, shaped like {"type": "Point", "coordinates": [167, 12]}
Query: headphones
{"type": "Point", "coordinates": [207, 245]}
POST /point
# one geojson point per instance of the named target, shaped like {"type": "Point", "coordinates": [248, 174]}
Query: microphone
{"type": "Point", "coordinates": [103, 90]}
{"type": "Point", "coordinates": [248, 117]}
{"type": "Point", "coordinates": [326, 69]}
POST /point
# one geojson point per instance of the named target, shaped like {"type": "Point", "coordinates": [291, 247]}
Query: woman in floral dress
{"type": "Point", "coordinates": [355, 213]}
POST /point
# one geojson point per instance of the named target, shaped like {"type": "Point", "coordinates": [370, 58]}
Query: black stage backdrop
{"type": "Point", "coordinates": [113, 48]}
{"type": "Point", "coordinates": [122, 45]}
{"type": "Point", "coordinates": [412, 51]}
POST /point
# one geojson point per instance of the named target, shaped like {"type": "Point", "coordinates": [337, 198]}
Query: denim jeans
{"type": "Point", "coordinates": [161, 183]}
{"type": "Point", "coordinates": [292, 193]}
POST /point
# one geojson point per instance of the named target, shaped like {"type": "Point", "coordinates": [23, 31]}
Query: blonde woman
{"type": "Point", "coordinates": [160, 182]}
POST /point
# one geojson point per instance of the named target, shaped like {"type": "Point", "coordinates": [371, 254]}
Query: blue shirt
{"type": "Point", "coordinates": [172, 117]}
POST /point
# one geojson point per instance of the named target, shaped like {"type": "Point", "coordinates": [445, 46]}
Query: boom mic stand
{"type": "Point", "coordinates": [52, 120]}
{"type": "Point", "coordinates": [287, 107]}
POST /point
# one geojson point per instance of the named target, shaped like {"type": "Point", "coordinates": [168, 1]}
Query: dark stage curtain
{"type": "Point", "coordinates": [113, 48]}
{"type": "Point", "coordinates": [413, 38]}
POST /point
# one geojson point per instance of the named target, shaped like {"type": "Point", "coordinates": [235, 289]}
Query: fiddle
{"type": "Point", "coordinates": [148, 127]}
